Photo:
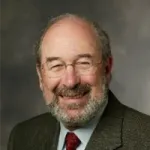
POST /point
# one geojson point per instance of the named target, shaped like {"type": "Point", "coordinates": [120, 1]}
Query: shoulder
{"type": "Point", "coordinates": [43, 120]}
{"type": "Point", "coordinates": [40, 119]}
{"type": "Point", "coordinates": [135, 117]}
{"type": "Point", "coordinates": [32, 131]}
{"type": "Point", "coordinates": [136, 127]}
{"type": "Point", "coordinates": [38, 122]}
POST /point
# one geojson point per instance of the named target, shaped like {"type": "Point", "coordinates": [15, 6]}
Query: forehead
{"type": "Point", "coordinates": [68, 38]}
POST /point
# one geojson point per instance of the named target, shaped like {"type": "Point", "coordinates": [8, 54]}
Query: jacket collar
{"type": "Point", "coordinates": [108, 133]}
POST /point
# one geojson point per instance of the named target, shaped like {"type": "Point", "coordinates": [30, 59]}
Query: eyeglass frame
{"type": "Point", "coordinates": [73, 65]}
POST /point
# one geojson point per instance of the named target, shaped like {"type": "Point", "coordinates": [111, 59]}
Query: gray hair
{"type": "Point", "coordinates": [103, 37]}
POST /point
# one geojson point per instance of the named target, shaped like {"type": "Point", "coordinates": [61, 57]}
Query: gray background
{"type": "Point", "coordinates": [128, 24]}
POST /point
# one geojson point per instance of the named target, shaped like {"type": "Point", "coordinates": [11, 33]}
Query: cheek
{"type": "Point", "coordinates": [48, 87]}
{"type": "Point", "coordinates": [95, 81]}
{"type": "Point", "coordinates": [89, 79]}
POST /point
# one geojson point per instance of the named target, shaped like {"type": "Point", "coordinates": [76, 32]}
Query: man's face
{"type": "Point", "coordinates": [74, 92]}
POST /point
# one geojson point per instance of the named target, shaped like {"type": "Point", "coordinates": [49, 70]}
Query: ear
{"type": "Point", "coordinates": [108, 68]}
{"type": "Point", "coordinates": [38, 69]}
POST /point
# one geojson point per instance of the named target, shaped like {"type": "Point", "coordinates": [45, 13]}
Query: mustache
{"type": "Point", "coordinates": [77, 90]}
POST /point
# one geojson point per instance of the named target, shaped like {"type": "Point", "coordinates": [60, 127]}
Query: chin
{"type": "Point", "coordinates": [74, 113]}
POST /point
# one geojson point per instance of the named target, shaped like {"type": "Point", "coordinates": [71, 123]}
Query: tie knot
{"type": "Point", "coordinates": [72, 141]}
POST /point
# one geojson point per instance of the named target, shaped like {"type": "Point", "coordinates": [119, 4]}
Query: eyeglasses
{"type": "Point", "coordinates": [57, 68]}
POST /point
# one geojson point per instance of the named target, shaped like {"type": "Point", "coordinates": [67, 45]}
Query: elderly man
{"type": "Point", "coordinates": [74, 64]}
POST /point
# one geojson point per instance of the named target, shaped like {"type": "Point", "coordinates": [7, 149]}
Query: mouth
{"type": "Point", "coordinates": [74, 96]}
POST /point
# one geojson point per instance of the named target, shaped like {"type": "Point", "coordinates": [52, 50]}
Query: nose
{"type": "Point", "coordinates": [70, 78]}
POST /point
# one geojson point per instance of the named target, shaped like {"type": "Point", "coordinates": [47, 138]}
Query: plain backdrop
{"type": "Point", "coordinates": [126, 21]}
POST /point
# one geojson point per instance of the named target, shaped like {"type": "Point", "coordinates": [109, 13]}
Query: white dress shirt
{"type": "Point", "coordinates": [83, 134]}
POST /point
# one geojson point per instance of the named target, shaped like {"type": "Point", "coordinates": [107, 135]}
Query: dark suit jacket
{"type": "Point", "coordinates": [120, 128]}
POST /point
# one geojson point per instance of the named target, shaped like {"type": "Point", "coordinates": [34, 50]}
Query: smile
{"type": "Point", "coordinates": [74, 96]}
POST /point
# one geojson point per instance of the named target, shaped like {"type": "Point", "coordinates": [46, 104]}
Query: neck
{"type": "Point", "coordinates": [72, 128]}
{"type": "Point", "coordinates": [77, 126]}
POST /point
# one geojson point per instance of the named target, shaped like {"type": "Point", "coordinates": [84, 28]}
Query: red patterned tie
{"type": "Point", "coordinates": [72, 141]}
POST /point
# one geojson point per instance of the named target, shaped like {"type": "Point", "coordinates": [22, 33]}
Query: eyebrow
{"type": "Point", "coordinates": [50, 59]}
{"type": "Point", "coordinates": [87, 55]}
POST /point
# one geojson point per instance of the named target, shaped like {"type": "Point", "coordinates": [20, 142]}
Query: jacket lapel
{"type": "Point", "coordinates": [48, 135]}
{"type": "Point", "coordinates": [50, 139]}
{"type": "Point", "coordinates": [107, 135]}
{"type": "Point", "coordinates": [55, 138]}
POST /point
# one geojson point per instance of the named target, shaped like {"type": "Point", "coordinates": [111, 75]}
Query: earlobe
{"type": "Point", "coordinates": [108, 68]}
{"type": "Point", "coordinates": [40, 77]}
{"type": "Point", "coordinates": [109, 64]}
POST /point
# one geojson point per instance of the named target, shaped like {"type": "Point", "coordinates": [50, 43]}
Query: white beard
{"type": "Point", "coordinates": [93, 107]}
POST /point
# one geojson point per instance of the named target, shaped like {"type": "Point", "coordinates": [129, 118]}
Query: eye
{"type": "Point", "coordinates": [56, 67]}
{"type": "Point", "coordinates": [83, 64]}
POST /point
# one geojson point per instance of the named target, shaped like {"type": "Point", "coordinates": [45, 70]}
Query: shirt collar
{"type": "Point", "coordinates": [83, 133]}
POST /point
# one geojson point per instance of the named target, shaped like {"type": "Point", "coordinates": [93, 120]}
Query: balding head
{"type": "Point", "coordinates": [71, 21]}
{"type": "Point", "coordinates": [75, 68]}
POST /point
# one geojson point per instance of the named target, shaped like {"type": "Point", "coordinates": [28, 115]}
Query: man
{"type": "Point", "coordinates": [74, 64]}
